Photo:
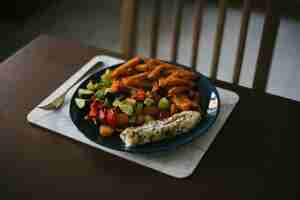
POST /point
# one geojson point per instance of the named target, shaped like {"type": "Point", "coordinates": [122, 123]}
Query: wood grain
{"type": "Point", "coordinates": [176, 29]}
{"type": "Point", "coordinates": [267, 45]}
{"type": "Point", "coordinates": [218, 38]}
{"type": "Point", "coordinates": [128, 27]}
{"type": "Point", "coordinates": [156, 10]}
{"type": "Point", "coordinates": [242, 41]}
{"type": "Point", "coordinates": [197, 26]}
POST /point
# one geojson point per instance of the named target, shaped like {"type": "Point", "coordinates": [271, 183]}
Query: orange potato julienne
{"type": "Point", "coordinates": [185, 74]}
{"type": "Point", "coordinates": [173, 109]}
{"type": "Point", "coordinates": [156, 72]}
{"type": "Point", "coordinates": [135, 80]}
{"type": "Point", "coordinates": [141, 67]}
{"type": "Point", "coordinates": [174, 81]}
{"type": "Point", "coordinates": [177, 90]}
{"type": "Point", "coordinates": [144, 67]}
{"type": "Point", "coordinates": [123, 69]}
{"type": "Point", "coordinates": [184, 103]}
{"type": "Point", "coordinates": [152, 61]}
{"type": "Point", "coordinates": [117, 86]}
{"type": "Point", "coordinates": [155, 86]}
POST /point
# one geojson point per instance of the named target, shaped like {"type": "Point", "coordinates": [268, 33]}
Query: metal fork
{"type": "Point", "coordinates": [59, 101]}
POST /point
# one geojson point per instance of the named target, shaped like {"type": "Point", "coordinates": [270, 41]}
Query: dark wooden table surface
{"type": "Point", "coordinates": [254, 157]}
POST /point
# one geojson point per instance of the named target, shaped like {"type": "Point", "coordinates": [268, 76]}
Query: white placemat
{"type": "Point", "coordinates": [179, 163]}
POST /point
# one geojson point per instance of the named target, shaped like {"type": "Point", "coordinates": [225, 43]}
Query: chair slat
{"type": "Point", "coordinates": [242, 41]}
{"type": "Point", "coordinates": [267, 45]}
{"type": "Point", "coordinates": [176, 29]}
{"type": "Point", "coordinates": [197, 23]}
{"type": "Point", "coordinates": [218, 38]}
{"type": "Point", "coordinates": [128, 27]}
{"type": "Point", "coordinates": [155, 28]}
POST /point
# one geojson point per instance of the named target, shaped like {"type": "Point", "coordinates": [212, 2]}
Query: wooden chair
{"type": "Point", "coordinates": [267, 41]}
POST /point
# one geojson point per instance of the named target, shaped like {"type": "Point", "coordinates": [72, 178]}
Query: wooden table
{"type": "Point", "coordinates": [254, 157]}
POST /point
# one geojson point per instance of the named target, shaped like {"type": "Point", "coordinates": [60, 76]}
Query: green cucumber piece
{"type": "Point", "coordinates": [92, 86]}
{"type": "Point", "coordinates": [84, 92]}
{"type": "Point", "coordinates": [80, 103]}
{"type": "Point", "coordinates": [116, 103]}
{"type": "Point", "coordinates": [130, 101]}
{"type": "Point", "coordinates": [139, 106]}
{"type": "Point", "coordinates": [106, 75]}
{"type": "Point", "coordinates": [100, 94]}
{"type": "Point", "coordinates": [126, 108]}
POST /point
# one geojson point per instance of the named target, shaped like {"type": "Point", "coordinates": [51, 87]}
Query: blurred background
{"type": "Point", "coordinates": [97, 23]}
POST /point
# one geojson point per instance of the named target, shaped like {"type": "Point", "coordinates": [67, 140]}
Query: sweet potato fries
{"type": "Point", "coordinates": [158, 78]}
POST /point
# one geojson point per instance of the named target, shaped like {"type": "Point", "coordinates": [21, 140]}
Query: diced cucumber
{"type": "Point", "coordinates": [100, 94]}
{"type": "Point", "coordinates": [130, 101]}
{"type": "Point", "coordinates": [105, 83]}
{"type": "Point", "coordinates": [107, 90]}
{"type": "Point", "coordinates": [139, 106]}
{"type": "Point", "coordinates": [107, 102]}
{"type": "Point", "coordinates": [80, 103]}
{"type": "Point", "coordinates": [84, 92]}
{"type": "Point", "coordinates": [106, 75]}
{"type": "Point", "coordinates": [92, 86]}
{"type": "Point", "coordinates": [116, 103]}
{"type": "Point", "coordinates": [126, 108]}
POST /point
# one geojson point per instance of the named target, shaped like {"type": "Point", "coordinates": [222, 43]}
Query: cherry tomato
{"type": "Point", "coordinates": [93, 109]}
{"type": "Point", "coordinates": [100, 105]}
{"type": "Point", "coordinates": [93, 113]}
{"type": "Point", "coordinates": [111, 118]}
{"type": "Point", "coordinates": [102, 115]}
{"type": "Point", "coordinates": [93, 104]}
{"type": "Point", "coordinates": [117, 86]}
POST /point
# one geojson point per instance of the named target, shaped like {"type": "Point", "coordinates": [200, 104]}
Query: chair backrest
{"type": "Point", "coordinates": [267, 40]}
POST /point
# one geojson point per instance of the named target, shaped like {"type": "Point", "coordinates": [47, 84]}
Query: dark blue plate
{"type": "Point", "coordinates": [210, 105]}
